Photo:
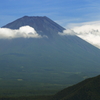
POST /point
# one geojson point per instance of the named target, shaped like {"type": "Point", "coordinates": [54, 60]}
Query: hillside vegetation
{"type": "Point", "coordinates": [88, 89]}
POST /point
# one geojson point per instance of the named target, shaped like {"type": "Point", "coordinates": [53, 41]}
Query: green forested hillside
{"type": "Point", "coordinates": [88, 89]}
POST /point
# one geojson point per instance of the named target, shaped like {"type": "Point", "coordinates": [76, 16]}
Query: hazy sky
{"type": "Point", "coordinates": [61, 11]}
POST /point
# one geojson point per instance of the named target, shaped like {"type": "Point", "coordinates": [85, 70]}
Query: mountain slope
{"type": "Point", "coordinates": [88, 89]}
{"type": "Point", "coordinates": [45, 63]}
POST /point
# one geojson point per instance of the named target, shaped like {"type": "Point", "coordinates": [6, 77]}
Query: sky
{"type": "Point", "coordinates": [64, 12]}
{"type": "Point", "coordinates": [79, 17]}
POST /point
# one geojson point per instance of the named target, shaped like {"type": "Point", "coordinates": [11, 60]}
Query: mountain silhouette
{"type": "Point", "coordinates": [88, 89]}
{"type": "Point", "coordinates": [47, 63]}
{"type": "Point", "coordinates": [41, 24]}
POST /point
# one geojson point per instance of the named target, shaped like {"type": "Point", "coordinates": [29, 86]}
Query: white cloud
{"type": "Point", "coordinates": [24, 32]}
{"type": "Point", "coordinates": [67, 32]}
{"type": "Point", "coordinates": [89, 31]}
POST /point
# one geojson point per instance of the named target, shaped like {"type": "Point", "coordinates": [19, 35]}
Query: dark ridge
{"type": "Point", "coordinates": [88, 89]}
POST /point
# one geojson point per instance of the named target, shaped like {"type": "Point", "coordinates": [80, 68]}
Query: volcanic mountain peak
{"type": "Point", "coordinates": [33, 18]}
{"type": "Point", "coordinates": [61, 60]}
{"type": "Point", "coordinates": [42, 25]}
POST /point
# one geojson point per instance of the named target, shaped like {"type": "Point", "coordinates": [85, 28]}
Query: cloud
{"type": "Point", "coordinates": [67, 32]}
{"type": "Point", "coordinates": [24, 32]}
{"type": "Point", "coordinates": [89, 31]}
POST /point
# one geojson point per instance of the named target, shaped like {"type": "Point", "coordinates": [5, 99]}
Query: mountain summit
{"type": "Point", "coordinates": [42, 25]}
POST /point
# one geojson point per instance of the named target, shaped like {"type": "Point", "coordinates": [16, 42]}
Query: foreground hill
{"type": "Point", "coordinates": [31, 66]}
{"type": "Point", "coordinates": [88, 89]}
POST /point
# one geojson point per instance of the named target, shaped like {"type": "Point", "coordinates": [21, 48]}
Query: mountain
{"type": "Point", "coordinates": [43, 25]}
{"type": "Point", "coordinates": [88, 89]}
{"type": "Point", "coordinates": [32, 65]}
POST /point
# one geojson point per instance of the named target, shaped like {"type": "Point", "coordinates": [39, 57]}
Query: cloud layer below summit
{"type": "Point", "coordinates": [89, 32]}
{"type": "Point", "coordinates": [22, 32]}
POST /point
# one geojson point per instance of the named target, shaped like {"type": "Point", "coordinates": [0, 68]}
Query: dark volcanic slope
{"type": "Point", "coordinates": [86, 90]}
{"type": "Point", "coordinates": [41, 24]}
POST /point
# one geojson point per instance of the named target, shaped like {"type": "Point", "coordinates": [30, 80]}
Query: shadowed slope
{"type": "Point", "coordinates": [89, 89]}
